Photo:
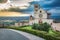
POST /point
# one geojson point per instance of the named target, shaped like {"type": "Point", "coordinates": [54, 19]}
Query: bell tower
{"type": "Point", "coordinates": [36, 8]}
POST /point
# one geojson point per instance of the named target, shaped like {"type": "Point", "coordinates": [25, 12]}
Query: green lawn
{"type": "Point", "coordinates": [28, 27]}
{"type": "Point", "coordinates": [54, 33]}
{"type": "Point", "coordinates": [51, 35]}
{"type": "Point", "coordinates": [51, 32]}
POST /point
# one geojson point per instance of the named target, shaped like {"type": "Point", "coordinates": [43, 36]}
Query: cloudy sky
{"type": "Point", "coordinates": [52, 6]}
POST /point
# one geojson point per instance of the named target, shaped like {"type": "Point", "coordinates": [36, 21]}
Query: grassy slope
{"type": "Point", "coordinates": [51, 35]}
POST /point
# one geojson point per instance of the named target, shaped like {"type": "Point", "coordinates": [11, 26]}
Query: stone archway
{"type": "Point", "coordinates": [40, 21]}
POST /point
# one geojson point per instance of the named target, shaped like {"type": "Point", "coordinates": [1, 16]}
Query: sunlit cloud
{"type": "Point", "coordinates": [36, 0]}
{"type": "Point", "coordinates": [23, 4]}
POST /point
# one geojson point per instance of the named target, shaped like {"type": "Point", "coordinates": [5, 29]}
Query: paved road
{"type": "Point", "coordinates": [6, 34]}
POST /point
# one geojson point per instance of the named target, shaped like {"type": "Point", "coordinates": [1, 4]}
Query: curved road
{"type": "Point", "coordinates": [6, 34]}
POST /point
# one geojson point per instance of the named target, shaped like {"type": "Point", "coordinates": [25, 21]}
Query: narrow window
{"type": "Point", "coordinates": [36, 10]}
{"type": "Point", "coordinates": [40, 11]}
{"type": "Point", "coordinates": [36, 6]}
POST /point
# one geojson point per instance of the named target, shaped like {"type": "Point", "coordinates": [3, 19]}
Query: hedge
{"type": "Point", "coordinates": [43, 26]}
{"type": "Point", "coordinates": [42, 34]}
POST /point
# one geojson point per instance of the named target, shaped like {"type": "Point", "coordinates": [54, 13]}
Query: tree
{"type": "Point", "coordinates": [43, 27]}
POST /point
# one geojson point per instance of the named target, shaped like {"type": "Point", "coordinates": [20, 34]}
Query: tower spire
{"type": "Point", "coordinates": [36, 8]}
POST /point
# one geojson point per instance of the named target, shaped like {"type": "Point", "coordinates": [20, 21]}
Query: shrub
{"type": "Point", "coordinates": [43, 26]}
{"type": "Point", "coordinates": [46, 27]}
{"type": "Point", "coordinates": [35, 26]}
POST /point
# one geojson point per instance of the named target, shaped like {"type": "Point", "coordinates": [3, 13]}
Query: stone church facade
{"type": "Point", "coordinates": [40, 16]}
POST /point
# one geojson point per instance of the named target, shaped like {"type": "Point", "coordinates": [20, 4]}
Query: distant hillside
{"type": "Point", "coordinates": [3, 1]}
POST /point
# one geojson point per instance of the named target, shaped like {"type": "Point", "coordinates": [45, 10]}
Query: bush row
{"type": "Point", "coordinates": [42, 34]}
{"type": "Point", "coordinates": [43, 27]}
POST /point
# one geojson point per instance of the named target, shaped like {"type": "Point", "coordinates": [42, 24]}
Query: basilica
{"type": "Point", "coordinates": [40, 16]}
{"type": "Point", "coordinates": [20, 19]}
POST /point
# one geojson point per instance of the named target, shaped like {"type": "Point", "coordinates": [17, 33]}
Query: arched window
{"type": "Point", "coordinates": [40, 11]}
